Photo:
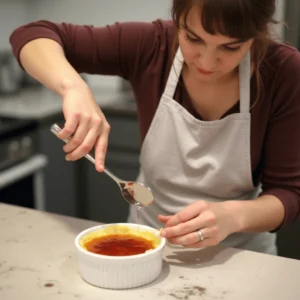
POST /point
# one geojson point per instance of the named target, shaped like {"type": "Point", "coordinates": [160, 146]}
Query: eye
{"type": "Point", "coordinates": [232, 49]}
{"type": "Point", "coordinates": [193, 40]}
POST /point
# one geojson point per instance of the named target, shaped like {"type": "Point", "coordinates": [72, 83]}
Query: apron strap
{"type": "Point", "coordinates": [245, 78]}
{"type": "Point", "coordinates": [174, 75]}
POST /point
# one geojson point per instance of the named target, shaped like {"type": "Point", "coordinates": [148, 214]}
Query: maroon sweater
{"type": "Point", "coordinates": [143, 54]}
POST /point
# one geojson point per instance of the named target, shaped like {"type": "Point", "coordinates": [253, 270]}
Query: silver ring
{"type": "Point", "coordinates": [201, 237]}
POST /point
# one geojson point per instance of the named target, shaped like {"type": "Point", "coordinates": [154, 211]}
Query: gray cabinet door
{"type": "Point", "coordinates": [60, 175]}
{"type": "Point", "coordinates": [288, 241]}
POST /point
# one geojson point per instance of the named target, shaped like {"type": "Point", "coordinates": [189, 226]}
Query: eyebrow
{"type": "Point", "coordinates": [225, 44]}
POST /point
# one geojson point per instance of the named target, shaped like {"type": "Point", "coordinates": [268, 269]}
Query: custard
{"type": "Point", "coordinates": [119, 245]}
{"type": "Point", "coordinates": [120, 240]}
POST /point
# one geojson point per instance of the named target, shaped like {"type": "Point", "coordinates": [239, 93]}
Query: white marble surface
{"type": "Point", "coordinates": [41, 103]}
{"type": "Point", "coordinates": [38, 261]}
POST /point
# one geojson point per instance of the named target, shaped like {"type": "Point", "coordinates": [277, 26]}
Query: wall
{"type": "Point", "coordinates": [13, 13]}
{"type": "Point", "coordinates": [99, 12]}
{"type": "Point", "coordinates": [279, 16]}
{"type": "Point", "coordinates": [292, 31]}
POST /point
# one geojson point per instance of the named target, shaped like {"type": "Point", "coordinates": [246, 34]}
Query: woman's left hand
{"type": "Point", "coordinates": [216, 220]}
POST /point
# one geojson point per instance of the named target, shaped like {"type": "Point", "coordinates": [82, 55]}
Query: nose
{"type": "Point", "coordinates": [207, 60]}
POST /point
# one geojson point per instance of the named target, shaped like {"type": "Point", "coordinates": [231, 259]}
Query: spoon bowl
{"type": "Point", "coordinates": [135, 193]}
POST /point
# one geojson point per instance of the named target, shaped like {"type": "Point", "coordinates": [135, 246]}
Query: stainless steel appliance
{"type": "Point", "coordinates": [11, 74]}
{"type": "Point", "coordinates": [21, 167]}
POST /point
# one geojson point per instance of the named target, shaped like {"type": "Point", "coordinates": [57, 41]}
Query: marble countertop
{"type": "Point", "coordinates": [41, 103]}
{"type": "Point", "coordinates": [38, 261]}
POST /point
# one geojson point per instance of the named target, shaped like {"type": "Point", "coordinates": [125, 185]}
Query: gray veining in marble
{"type": "Point", "coordinates": [38, 261]}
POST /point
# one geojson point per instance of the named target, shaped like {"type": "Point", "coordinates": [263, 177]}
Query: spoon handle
{"type": "Point", "coordinates": [56, 129]}
{"type": "Point", "coordinates": [115, 178]}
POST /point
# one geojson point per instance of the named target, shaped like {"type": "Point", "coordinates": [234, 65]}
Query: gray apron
{"type": "Point", "coordinates": [184, 159]}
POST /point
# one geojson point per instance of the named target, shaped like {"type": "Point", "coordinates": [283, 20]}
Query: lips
{"type": "Point", "coordinates": [204, 72]}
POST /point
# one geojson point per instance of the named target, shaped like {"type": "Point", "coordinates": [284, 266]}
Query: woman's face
{"type": "Point", "coordinates": [209, 57]}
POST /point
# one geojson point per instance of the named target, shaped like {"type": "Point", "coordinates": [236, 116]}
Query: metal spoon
{"type": "Point", "coordinates": [134, 193]}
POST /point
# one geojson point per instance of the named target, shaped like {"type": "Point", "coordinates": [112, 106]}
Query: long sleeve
{"type": "Point", "coordinates": [121, 49]}
{"type": "Point", "coordinates": [281, 147]}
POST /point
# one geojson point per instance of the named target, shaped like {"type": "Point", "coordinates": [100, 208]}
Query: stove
{"type": "Point", "coordinates": [14, 126]}
{"type": "Point", "coordinates": [17, 141]}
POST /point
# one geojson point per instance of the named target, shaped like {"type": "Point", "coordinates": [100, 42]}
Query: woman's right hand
{"type": "Point", "coordinates": [85, 124]}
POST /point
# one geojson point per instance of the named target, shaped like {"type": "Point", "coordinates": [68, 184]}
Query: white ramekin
{"type": "Point", "coordinates": [119, 272]}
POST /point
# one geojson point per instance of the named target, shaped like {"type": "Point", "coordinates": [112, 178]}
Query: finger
{"type": "Point", "coordinates": [79, 136]}
{"type": "Point", "coordinates": [209, 242]}
{"type": "Point", "coordinates": [164, 219]}
{"type": "Point", "coordinates": [194, 237]}
{"type": "Point", "coordinates": [101, 147]}
{"type": "Point", "coordinates": [85, 147]}
{"type": "Point", "coordinates": [188, 213]}
{"type": "Point", "coordinates": [69, 128]}
{"type": "Point", "coordinates": [182, 228]}
{"type": "Point", "coordinates": [206, 219]}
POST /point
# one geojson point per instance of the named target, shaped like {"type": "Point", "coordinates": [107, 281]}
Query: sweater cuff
{"type": "Point", "coordinates": [290, 201]}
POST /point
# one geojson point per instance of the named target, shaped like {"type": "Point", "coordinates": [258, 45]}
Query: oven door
{"type": "Point", "coordinates": [23, 184]}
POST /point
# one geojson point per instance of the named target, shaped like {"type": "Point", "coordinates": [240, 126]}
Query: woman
{"type": "Point", "coordinates": [218, 110]}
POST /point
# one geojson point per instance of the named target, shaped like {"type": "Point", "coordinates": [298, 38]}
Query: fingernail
{"type": "Point", "coordinates": [68, 158]}
{"type": "Point", "coordinates": [163, 233]}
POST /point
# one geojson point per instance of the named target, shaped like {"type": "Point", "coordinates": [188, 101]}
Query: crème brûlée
{"type": "Point", "coordinates": [120, 240]}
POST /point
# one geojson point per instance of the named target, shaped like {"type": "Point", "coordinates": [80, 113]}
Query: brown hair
{"type": "Point", "coordinates": [240, 19]}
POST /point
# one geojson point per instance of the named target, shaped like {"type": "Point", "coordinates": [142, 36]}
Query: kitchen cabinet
{"type": "Point", "coordinates": [288, 241]}
{"type": "Point", "coordinates": [59, 175]}
{"type": "Point", "coordinates": [100, 198]}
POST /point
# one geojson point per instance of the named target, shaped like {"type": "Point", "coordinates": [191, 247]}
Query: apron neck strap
{"type": "Point", "coordinates": [245, 79]}
{"type": "Point", "coordinates": [174, 74]}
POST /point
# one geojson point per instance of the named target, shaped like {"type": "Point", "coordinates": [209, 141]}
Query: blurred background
{"type": "Point", "coordinates": [33, 171]}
